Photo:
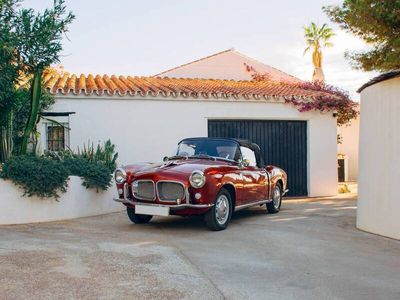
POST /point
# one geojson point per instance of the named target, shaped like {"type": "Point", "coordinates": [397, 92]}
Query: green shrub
{"type": "Point", "coordinates": [38, 176]}
{"type": "Point", "coordinates": [94, 174]}
{"type": "Point", "coordinates": [104, 154]}
{"type": "Point", "coordinates": [47, 175]}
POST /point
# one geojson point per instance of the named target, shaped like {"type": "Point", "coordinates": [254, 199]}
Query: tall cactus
{"type": "Point", "coordinates": [34, 112]}
{"type": "Point", "coordinates": [6, 138]}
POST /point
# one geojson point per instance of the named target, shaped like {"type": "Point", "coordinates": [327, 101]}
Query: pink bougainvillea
{"type": "Point", "coordinates": [331, 99]}
{"type": "Point", "coordinates": [256, 75]}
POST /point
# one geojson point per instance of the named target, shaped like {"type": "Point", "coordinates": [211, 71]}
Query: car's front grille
{"type": "Point", "coordinates": [144, 190]}
{"type": "Point", "coordinates": [170, 191]}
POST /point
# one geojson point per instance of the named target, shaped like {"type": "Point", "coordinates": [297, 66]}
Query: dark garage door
{"type": "Point", "coordinates": [283, 144]}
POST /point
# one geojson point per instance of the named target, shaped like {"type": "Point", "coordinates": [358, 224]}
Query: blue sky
{"type": "Point", "coordinates": [146, 37]}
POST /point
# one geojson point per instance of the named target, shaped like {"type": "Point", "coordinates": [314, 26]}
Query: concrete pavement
{"type": "Point", "coordinates": [310, 250]}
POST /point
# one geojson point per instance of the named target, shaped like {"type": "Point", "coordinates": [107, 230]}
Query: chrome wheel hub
{"type": "Point", "coordinates": [222, 209]}
{"type": "Point", "coordinates": [276, 197]}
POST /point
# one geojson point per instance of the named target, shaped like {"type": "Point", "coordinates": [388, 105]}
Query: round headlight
{"type": "Point", "coordinates": [119, 175]}
{"type": "Point", "coordinates": [197, 179]}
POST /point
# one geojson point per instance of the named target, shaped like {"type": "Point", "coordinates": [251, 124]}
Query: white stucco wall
{"type": "Point", "coordinates": [75, 203]}
{"type": "Point", "coordinates": [148, 129]}
{"type": "Point", "coordinates": [379, 202]}
{"type": "Point", "coordinates": [349, 147]}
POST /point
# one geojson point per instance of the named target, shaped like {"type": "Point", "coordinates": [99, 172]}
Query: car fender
{"type": "Point", "coordinates": [276, 175]}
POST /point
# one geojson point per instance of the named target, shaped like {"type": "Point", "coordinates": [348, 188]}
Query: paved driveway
{"type": "Point", "coordinates": [310, 250]}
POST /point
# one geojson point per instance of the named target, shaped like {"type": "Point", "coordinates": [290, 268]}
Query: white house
{"type": "Point", "coordinates": [231, 64]}
{"type": "Point", "coordinates": [378, 201]}
{"type": "Point", "coordinates": [147, 116]}
{"type": "Point", "coordinates": [349, 147]}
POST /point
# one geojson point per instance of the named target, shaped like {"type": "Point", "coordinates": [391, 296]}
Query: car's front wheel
{"type": "Point", "coordinates": [218, 217]}
{"type": "Point", "coordinates": [136, 218]}
{"type": "Point", "coordinates": [275, 205]}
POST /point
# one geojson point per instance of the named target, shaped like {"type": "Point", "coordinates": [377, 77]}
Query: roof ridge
{"type": "Point", "coordinates": [195, 61]}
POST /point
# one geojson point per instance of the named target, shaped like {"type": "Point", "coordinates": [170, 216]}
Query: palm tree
{"type": "Point", "coordinates": [316, 39]}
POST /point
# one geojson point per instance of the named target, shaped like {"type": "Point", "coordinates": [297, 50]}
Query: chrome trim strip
{"type": "Point", "coordinates": [187, 195]}
{"type": "Point", "coordinates": [154, 188]}
{"type": "Point", "coordinates": [171, 181]}
{"type": "Point", "coordinates": [172, 207]}
{"type": "Point", "coordinates": [252, 204]}
{"type": "Point", "coordinates": [126, 191]}
{"type": "Point", "coordinates": [258, 202]}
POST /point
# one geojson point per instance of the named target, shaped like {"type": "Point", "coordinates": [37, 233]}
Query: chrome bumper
{"type": "Point", "coordinates": [172, 207]}
{"type": "Point", "coordinates": [284, 192]}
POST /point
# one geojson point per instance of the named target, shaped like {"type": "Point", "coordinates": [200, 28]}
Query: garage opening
{"type": "Point", "coordinates": [283, 144]}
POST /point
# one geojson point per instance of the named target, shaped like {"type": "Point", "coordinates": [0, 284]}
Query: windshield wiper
{"type": "Point", "coordinates": [201, 156]}
{"type": "Point", "coordinates": [176, 157]}
{"type": "Point", "coordinates": [206, 156]}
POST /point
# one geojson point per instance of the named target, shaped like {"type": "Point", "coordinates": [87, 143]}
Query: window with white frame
{"type": "Point", "coordinates": [57, 136]}
{"type": "Point", "coordinates": [56, 130]}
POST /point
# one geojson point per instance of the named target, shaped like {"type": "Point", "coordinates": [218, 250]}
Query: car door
{"type": "Point", "coordinates": [254, 178]}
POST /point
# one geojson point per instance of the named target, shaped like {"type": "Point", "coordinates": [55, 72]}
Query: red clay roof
{"type": "Point", "coordinates": [99, 85]}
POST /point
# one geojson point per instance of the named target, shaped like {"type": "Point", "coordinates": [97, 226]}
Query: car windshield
{"type": "Point", "coordinates": [219, 148]}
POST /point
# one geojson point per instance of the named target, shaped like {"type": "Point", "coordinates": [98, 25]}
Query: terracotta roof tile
{"type": "Point", "coordinates": [171, 87]}
{"type": "Point", "coordinates": [70, 85]}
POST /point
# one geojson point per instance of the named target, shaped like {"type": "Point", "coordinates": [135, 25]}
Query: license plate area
{"type": "Point", "coordinates": [152, 210]}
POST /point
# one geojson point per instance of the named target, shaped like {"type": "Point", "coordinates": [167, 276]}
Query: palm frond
{"type": "Point", "coordinates": [306, 50]}
{"type": "Point", "coordinates": [316, 36]}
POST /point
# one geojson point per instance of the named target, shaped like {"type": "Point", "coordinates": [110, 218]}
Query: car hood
{"type": "Point", "coordinates": [181, 166]}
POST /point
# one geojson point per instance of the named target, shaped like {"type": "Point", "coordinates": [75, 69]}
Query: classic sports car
{"type": "Point", "coordinates": [213, 177]}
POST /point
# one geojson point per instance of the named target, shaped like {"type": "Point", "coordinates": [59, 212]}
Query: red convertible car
{"type": "Point", "coordinates": [213, 177]}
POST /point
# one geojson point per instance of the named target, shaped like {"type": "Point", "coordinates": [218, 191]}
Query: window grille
{"type": "Point", "coordinates": [57, 136]}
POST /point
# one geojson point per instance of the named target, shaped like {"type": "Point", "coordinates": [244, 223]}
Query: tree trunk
{"type": "Point", "coordinates": [6, 138]}
{"type": "Point", "coordinates": [34, 112]}
{"type": "Point", "coordinates": [318, 75]}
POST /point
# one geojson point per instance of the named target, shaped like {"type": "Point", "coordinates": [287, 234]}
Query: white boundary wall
{"type": "Point", "coordinates": [147, 129]}
{"type": "Point", "coordinates": [75, 203]}
{"type": "Point", "coordinates": [379, 201]}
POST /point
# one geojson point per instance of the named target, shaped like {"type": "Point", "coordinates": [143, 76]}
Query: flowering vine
{"type": "Point", "coordinates": [331, 98]}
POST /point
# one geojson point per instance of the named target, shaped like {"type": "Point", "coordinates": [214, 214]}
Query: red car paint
{"type": "Point", "coordinates": [246, 184]}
